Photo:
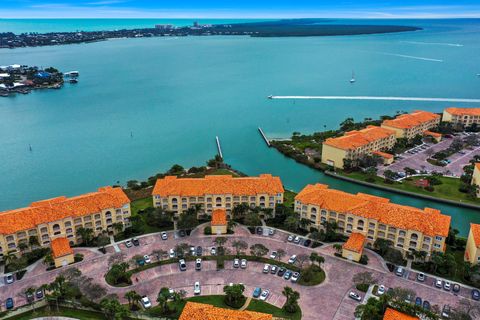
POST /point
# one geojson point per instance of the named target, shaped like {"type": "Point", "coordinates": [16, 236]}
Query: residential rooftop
{"type": "Point", "coordinates": [476, 233]}
{"type": "Point", "coordinates": [59, 208]}
{"type": "Point", "coordinates": [357, 138]}
{"type": "Point", "coordinates": [200, 311]}
{"type": "Point", "coordinates": [392, 314]}
{"type": "Point", "coordinates": [383, 154]}
{"type": "Point", "coordinates": [355, 242]}
{"type": "Point", "coordinates": [411, 120]}
{"type": "Point", "coordinates": [214, 185]}
{"type": "Point", "coordinates": [219, 217]}
{"type": "Point", "coordinates": [464, 111]}
{"type": "Point", "coordinates": [60, 247]}
{"type": "Point", "coordinates": [428, 221]}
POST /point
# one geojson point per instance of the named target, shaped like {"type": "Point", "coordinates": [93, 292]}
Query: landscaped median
{"type": "Point", "coordinates": [120, 276]}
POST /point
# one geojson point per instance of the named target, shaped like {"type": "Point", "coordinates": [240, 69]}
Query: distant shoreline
{"type": "Point", "coordinates": [279, 28]}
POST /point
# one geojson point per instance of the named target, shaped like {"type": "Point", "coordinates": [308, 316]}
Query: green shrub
{"type": "Point", "coordinates": [207, 230]}
{"type": "Point", "coordinates": [362, 287]}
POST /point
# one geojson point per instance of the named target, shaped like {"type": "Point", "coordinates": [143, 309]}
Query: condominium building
{"type": "Point", "coordinates": [178, 194]}
{"type": "Point", "coordinates": [412, 124]}
{"type": "Point", "coordinates": [356, 144]}
{"type": "Point", "coordinates": [408, 228]}
{"type": "Point", "coordinates": [472, 249]}
{"type": "Point", "coordinates": [197, 311]}
{"type": "Point", "coordinates": [62, 216]}
{"type": "Point", "coordinates": [463, 117]}
{"type": "Point", "coordinates": [476, 177]}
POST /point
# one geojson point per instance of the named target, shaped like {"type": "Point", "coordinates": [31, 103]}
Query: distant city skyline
{"type": "Point", "coordinates": [238, 9]}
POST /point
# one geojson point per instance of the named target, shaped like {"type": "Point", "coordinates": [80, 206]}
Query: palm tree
{"type": "Point", "coordinates": [33, 241]}
{"type": "Point", "coordinates": [117, 227]}
{"type": "Point", "coordinates": [22, 246]}
{"type": "Point", "coordinates": [133, 298]}
{"type": "Point", "coordinates": [338, 247]}
{"type": "Point", "coordinates": [48, 260]}
{"type": "Point", "coordinates": [86, 234]}
{"type": "Point", "coordinates": [9, 257]}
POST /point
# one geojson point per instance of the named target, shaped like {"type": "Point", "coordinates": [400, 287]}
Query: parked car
{"type": "Point", "coordinates": [447, 286]}
{"type": "Point", "coordinates": [171, 253]}
{"type": "Point", "coordinates": [297, 239]}
{"type": "Point", "coordinates": [446, 311]}
{"type": "Point", "coordinates": [439, 283]}
{"type": "Point", "coordinates": [236, 263]}
{"type": "Point", "coordinates": [456, 287]}
{"type": "Point", "coordinates": [9, 303]}
{"type": "Point", "coordinates": [287, 275]}
{"type": "Point", "coordinates": [182, 265]}
{"type": "Point", "coordinates": [182, 233]}
{"type": "Point", "coordinates": [400, 271]}
{"type": "Point", "coordinates": [128, 244]}
{"type": "Point", "coordinates": [199, 251]}
{"type": "Point", "coordinates": [257, 292]}
{"type": "Point", "coordinates": [192, 251]}
{"type": "Point", "coordinates": [146, 302]}
{"type": "Point", "coordinates": [196, 288]}
{"type": "Point", "coordinates": [243, 263]}
{"type": "Point", "coordinates": [355, 296]}
{"type": "Point", "coordinates": [421, 277]}
{"type": "Point", "coordinates": [213, 251]}
{"type": "Point", "coordinates": [281, 272]}
{"type": "Point", "coordinates": [164, 236]}
{"type": "Point", "coordinates": [198, 264]}
{"type": "Point", "coordinates": [9, 278]}
{"type": "Point", "coordinates": [39, 294]}
{"type": "Point", "coordinates": [29, 297]}
{"type": "Point", "coordinates": [475, 294]}
{"type": "Point", "coordinates": [271, 232]}
{"type": "Point", "coordinates": [273, 269]}
{"type": "Point", "coordinates": [146, 258]}
{"type": "Point", "coordinates": [266, 268]}
{"type": "Point", "coordinates": [135, 242]}
{"type": "Point", "coordinates": [290, 238]}
{"type": "Point", "coordinates": [292, 259]}
{"type": "Point", "coordinates": [418, 301]}
{"type": "Point", "coordinates": [265, 294]}
{"type": "Point", "coordinates": [259, 230]}
{"type": "Point", "coordinates": [307, 243]}
{"type": "Point", "coordinates": [426, 305]}
{"type": "Point", "coordinates": [381, 290]}
{"type": "Point", "coordinates": [408, 299]}
{"type": "Point", "coordinates": [295, 277]}
{"type": "Point", "coordinates": [141, 262]}
{"type": "Point", "coordinates": [273, 255]}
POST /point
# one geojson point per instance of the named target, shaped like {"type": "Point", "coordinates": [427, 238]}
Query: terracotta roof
{"type": "Point", "coordinates": [60, 208]}
{"type": "Point", "coordinates": [357, 138]}
{"type": "Point", "coordinates": [219, 217]}
{"type": "Point", "coordinates": [200, 311]}
{"type": "Point", "coordinates": [355, 242]}
{"type": "Point", "coordinates": [464, 111]}
{"type": "Point", "coordinates": [213, 185]}
{"type": "Point", "coordinates": [428, 221]}
{"type": "Point", "coordinates": [431, 133]}
{"type": "Point", "coordinates": [392, 314]}
{"type": "Point", "coordinates": [411, 120]}
{"type": "Point", "coordinates": [60, 247]}
{"type": "Point", "coordinates": [477, 166]}
{"type": "Point", "coordinates": [383, 154]}
{"type": "Point", "coordinates": [476, 233]}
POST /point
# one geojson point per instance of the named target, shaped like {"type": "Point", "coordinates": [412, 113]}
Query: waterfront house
{"type": "Point", "coordinates": [413, 124]}
{"type": "Point", "coordinates": [476, 177]}
{"type": "Point", "coordinates": [197, 311]}
{"type": "Point", "coordinates": [61, 217]}
{"type": "Point", "coordinates": [62, 253]}
{"type": "Point", "coordinates": [461, 117]}
{"type": "Point", "coordinates": [408, 228]}
{"type": "Point", "coordinates": [219, 221]}
{"type": "Point", "coordinates": [354, 145]}
{"type": "Point", "coordinates": [472, 249]}
{"type": "Point", "coordinates": [224, 191]}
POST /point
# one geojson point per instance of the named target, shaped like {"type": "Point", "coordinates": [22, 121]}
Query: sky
{"type": "Point", "coordinates": [239, 8]}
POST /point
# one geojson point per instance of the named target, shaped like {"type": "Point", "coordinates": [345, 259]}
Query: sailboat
{"type": "Point", "coordinates": [352, 80]}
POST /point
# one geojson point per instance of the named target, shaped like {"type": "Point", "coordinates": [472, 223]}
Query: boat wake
{"type": "Point", "coordinates": [410, 57]}
{"type": "Point", "coordinates": [434, 43]}
{"type": "Point", "coordinates": [378, 98]}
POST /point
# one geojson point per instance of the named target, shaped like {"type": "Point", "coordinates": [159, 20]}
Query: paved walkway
{"type": "Point", "coordinates": [246, 304]}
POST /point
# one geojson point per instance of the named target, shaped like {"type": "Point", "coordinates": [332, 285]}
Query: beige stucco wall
{"type": "Point", "coordinates": [64, 261]}
{"type": "Point", "coordinates": [472, 250]}
{"type": "Point", "coordinates": [476, 179]}
{"type": "Point", "coordinates": [219, 229]}
{"type": "Point", "coordinates": [399, 133]}
{"type": "Point", "coordinates": [333, 156]}
{"type": "Point", "coordinates": [351, 255]}
{"type": "Point", "coordinates": [446, 117]}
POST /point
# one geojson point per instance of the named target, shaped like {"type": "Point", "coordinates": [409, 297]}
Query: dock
{"type": "Point", "coordinates": [264, 137]}
{"type": "Point", "coordinates": [219, 147]}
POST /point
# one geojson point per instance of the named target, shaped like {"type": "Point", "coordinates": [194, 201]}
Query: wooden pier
{"type": "Point", "coordinates": [219, 147]}
{"type": "Point", "coordinates": [264, 137]}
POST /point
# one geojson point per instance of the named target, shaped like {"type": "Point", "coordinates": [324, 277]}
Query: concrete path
{"type": "Point", "coordinates": [246, 304]}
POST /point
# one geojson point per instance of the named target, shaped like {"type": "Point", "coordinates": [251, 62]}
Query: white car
{"type": "Point", "coordinates": [297, 239]}
{"type": "Point", "coordinates": [295, 277]}
{"type": "Point", "coordinates": [196, 288]}
{"type": "Point", "coordinates": [273, 255]}
{"type": "Point", "coordinates": [9, 278]}
{"type": "Point", "coordinates": [381, 290]}
{"type": "Point", "coordinates": [266, 268]}
{"type": "Point", "coordinates": [447, 286]}
{"type": "Point", "coordinates": [171, 253]}
{"type": "Point", "coordinates": [243, 263]}
{"type": "Point", "coordinates": [164, 236]}
{"type": "Point", "coordinates": [147, 258]}
{"type": "Point", "coordinates": [198, 264]}
{"type": "Point", "coordinates": [128, 244]}
{"type": "Point", "coordinates": [292, 259]}
{"type": "Point", "coordinates": [264, 295]}
{"type": "Point", "coordinates": [146, 302]}
{"type": "Point", "coordinates": [355, 296]}
{"type": "Point", "coordinates": [213, 251]}
{"type": "Point", "coordinates": [439, 283]}
{"type": "Point", "coordinates": [290, 238]}
{"type": "Point", "coordinates": [236, 263]}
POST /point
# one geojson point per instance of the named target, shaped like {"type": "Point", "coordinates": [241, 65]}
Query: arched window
{"type": "Point", "coordinates": [262, 198]}
{"type": "Point", "coordinates": [218, 199]}
{"type": "Point", "coordinates": [314, 210]}
{"type": "Point", "coordinates": [174, 200]}
{"type": "Point", "coordinates": [56, 227]}
{"type": "Point", "coordinates": [360, 223]}
{"type": "Point", "coordinates": [414, 236]}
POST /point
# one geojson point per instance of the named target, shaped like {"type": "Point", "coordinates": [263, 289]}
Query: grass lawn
{"type": "Point", "coordinates": [447, 190]}
{"type": "Point", "coordinates": [318, 276]}
{"type": "Point", "coordinates": [141, 204]}
{"type": "Point", "coordinates": [289, 198]}
{"type": "Point", "coordinates": [216, 172]}
{"type": "Point", "coordinates": [260, 306]}
{"type": "Point", "coordinates": [66, 312]}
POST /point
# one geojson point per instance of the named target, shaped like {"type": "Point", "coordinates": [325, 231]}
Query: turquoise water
{"type": "Point", "coordinates": [177, 94]}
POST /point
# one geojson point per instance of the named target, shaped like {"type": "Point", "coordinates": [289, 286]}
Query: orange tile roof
{"type": "Point", "coordinates": [200, 311]}
{"type": "Point", "coordinates": [213, 185]}
{"type": "Point", "coordinates": [355, 243]}
{"type": "Point", "coordinates": [219, 217]}
{"type": "Point", "coordinates": [358, 138]}
{"type": "Point", "coordinates": [60, 247]}
{"type": "Point", "coordinates": [411, 120]}
{"type": "Point", "coordinates": [431, 133]}
{"type": "Point", "coordinates": [476, 233]}
{"type": "Point", "coordinates": [392, 314]}
{"type": "Point", "coordinates": [477, 166]}
{"type": "Point", "coordinates": [383, 154]}
{"type": "Point", "coordinates": [464, 111]}
{"type": "Point", "coordinates": [428, 221]}
{"type": "Point", "coordinates": [60, 208]}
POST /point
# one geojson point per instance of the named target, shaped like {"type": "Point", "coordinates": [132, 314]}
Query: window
{"type": "Point", "coordinates": [313, 210]}
{"type": "Point", "coordinates": [414, 236]}
{"type": "Point", "coordinates": [184, 200]}
{"type": "Point", "coordinates": [44, 230]}
{"type": "Point", "coordinates": [438, 238]}
{"type": "Point", "coordinates": [324, 212]}
{"type": "Point", "coordinates": [413, 244]}
{"type": "Point", "coordinates": [252, 199]}
{"type": "Point", "coordinates": [381, 234]}
{"type": "Point", "coordinates": [313, 217]}
{"type": "Point", "coordinates": [97, 216]}
{"type": "Point", "coordinates": [436, 245]}
{"type": "Point", "coordinates": [350, 219]}
{"type": "Point", "coordinates": [68, 224]}
{"type": "Point", "coordinates": [262, 199]}
{"type": "Point", "coordinates": [69, 230]}
{"type": "Point", "coordinates": [371, 225]}
{"type": "Point", "coordinates": [174, 200]}
{"type": "Point", "coordinates": [402, 233]}
{"type": "Point", "coordinates": [333, 214]}
{"type": "Point", "coordinates": [427, 239]}
{"type": "Point", "coordinates": [86, 219]}
{"type": "Point", "coordinates": [228, 199]}
{"type": "Point", "coordinates": [218, 199]}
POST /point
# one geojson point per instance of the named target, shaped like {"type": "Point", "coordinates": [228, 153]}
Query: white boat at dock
{"type": "Point", "coordinates": [71, 74]}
